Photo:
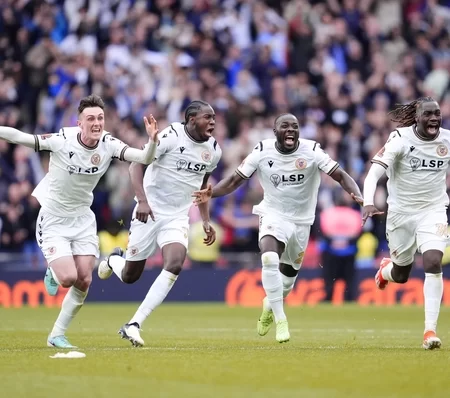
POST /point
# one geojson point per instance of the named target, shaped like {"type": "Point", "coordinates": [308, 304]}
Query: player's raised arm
{"type": "Point", "coordinates": [146, 155]}
{"type": "Point", "coordinates": [15, 136]}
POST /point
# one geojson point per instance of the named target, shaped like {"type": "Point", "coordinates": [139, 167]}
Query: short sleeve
{"type": "Point", "coordinates": [390, 151]}
{"type": "Point", "coordinates": [324, 162]}
{"type": "Point", "coordinates": [250, 163]}
{"type": "Point", "coordinates": [167, 142]}
{"type": "Point", "coordinates": [216, 158]}
{"type": "Point", "coordinates": [115, 146]}
{"type": "Point", "coordinates": [49, 142]}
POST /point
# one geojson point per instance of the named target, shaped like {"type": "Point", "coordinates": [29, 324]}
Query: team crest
{"type": "Point", "coordinates": [442, 150]}
{"type": "Point", "coordinates": [95, 159]}
{"type": "Point", "coordinates": [45, 136]}
{"type": "Point", "coordinates": [51, 250]}
{"type": "Point", "coordinates": [300, 164]}
{"type": "Point", "coordinates": [381, 152]}
{"type": "Point", "coordinates": [133, 251]}
{"type": "Point", "coordinates": [206, 156]}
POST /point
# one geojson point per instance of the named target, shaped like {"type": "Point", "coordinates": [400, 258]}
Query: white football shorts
{"type": "Point", "coordinates": [66, 236]}
{"type": "Point", "coordinates": [408, 233]}
{"type": "Point", "coordinates": [294, 236]}
{"type": "Point", "coordinates": [146, 237]}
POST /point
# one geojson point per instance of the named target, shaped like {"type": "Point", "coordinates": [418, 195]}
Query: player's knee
{"type": "Point", "coordinates": [432, 265]}
{"type": "Point", "coordinates": [174, 267]}
{"type": "Point", "coordinates": [128, 276]}
{"type": "Point", "coordinates": [67, 280]}
{"type": "Point", "coordinates": [400, 274]}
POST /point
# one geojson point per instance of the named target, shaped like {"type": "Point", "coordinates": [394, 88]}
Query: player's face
{"type": "Point", "coordinates": [287, 132]}
{"type": "Point", "coordinates": [204, 123]}
{"type": "Point", "coordinates": [92, 122]}
{"type": "Point", "coordinates": [429, 119]}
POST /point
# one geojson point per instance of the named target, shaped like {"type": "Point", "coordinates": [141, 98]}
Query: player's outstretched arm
{"type": "Point", "coordinates": [143, 209]}
{"type": "Point", "coordinates": [370, 186]}
{"type": "Point", "coordinates": [224, 187]}
{"type": "Point", "coordinates": [17, 137]}
{"type": "Point", "coordinates": [146, 155]}
{"type": "Point", "coordinates": [349, 184]}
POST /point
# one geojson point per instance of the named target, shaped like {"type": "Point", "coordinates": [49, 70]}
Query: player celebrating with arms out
{"type": "Point", "coordinates": [288, 170]}
{"type": "Point", "coordinates": [415, 159]}
{"type": "Point", "coordinates": [66, 226]}
{"type": "Point", "coordinates": [185, 158]}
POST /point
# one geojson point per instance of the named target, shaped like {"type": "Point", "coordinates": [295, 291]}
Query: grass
{"type": "Point", "coordinates": [203, 350]}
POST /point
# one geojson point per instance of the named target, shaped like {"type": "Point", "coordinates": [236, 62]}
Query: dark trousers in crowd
{"type": "Point", "coordinates": [339, 267]}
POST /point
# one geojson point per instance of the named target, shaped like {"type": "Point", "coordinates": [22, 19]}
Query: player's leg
{"type": "Point", "coordinates": [141, 245]}
{"type": "Point", "coordinates": [432, 240]}
{"type": "Point", "coordinates": [401, 236]}
{"type": "Point", "coordinates": [173, 239]}
{"type": "Point", "coordinates": [84, 246]}
{"type": "Point", "coordinates": [51, 237]}
{"type": "Point", "coordinates": [73, 301]}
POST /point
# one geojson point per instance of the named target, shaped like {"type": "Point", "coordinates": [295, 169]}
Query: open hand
{"type": "Point", "coordinates": [203, 195]}
{"type": "Point", "coordinates": [151, 126]}
{"type": "Point", "coordinates": [370, 211]}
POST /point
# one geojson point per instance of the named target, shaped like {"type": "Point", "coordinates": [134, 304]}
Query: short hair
{"type": "Point", "coordinates": [193, 109]}
{"type": "Point", "coordinates": [91, 101]}
{"type": "Point", "coordinates": [280, 116]}
{"type": "Point", "coordinates": [405, 115]}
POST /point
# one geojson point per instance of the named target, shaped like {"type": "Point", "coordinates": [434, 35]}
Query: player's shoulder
{"type": "Point", "coordinates": [403, 133]}
{"type": "Point", "coordinates": [68, 132]}
{"type": "Point", "coordinates": [172, 132]}
{"type": "Point", "coordinates": [214, 145]}
{"type": "Point", "coordinates": [309, 144]}
{"type": "Point", "coordinates": [265, 145]}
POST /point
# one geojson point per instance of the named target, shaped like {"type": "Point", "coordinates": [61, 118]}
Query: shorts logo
{"type": "Point", "coordinates": [95, 159]}
{"type": "Point", "coordinates": [275, 179]}
{"type": "Point", "coordinates": [300, 164]}
{"type": "Point", "coordinates": [133, 251]}
{"type": "Point", "coordinates": [415, 163]}
{"type": "Point", "coordinates": [51, 251]}
{"type": "Point", "coordinates": [442, 150]}
{"type": "Point", "coordinates": [206, 156]}
{"type": "Point", "coordinates": [299, 259]}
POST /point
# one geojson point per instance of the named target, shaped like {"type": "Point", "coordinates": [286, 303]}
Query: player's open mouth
{"type": "Point", "coordinates": [96, 131]}
{"type": "Point", "coordinates": [209, 131]}
{"type": "Point", "coordinates": [432, 129]}
{"type": "Point", "coordinates": [289, 140]}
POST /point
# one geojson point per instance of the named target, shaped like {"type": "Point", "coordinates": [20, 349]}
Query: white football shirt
{"type": "Point", "coordinates": [290, 181]}
{"type": "Point", "coordinates": [178, 170]}
{"type": "Point", "coordinates": [74, 170]}
{"type": "Point", "coordinates": [416, 169]}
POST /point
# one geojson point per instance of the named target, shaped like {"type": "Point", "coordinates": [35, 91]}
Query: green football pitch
{"type": "Point", "coordinates": [208, 350]}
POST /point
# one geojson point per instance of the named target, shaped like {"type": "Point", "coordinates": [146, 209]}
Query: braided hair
{"type": "Point", "coordinates": [193, 108]}
{"type": "Point", "coordinates": [405, 115]}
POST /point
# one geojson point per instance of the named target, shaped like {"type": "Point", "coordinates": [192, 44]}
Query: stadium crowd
{"type": "Point", "coordinates": [339, 66]}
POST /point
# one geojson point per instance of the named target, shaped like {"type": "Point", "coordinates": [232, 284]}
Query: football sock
{"type": "Point", "coordinates": [155, 296]}
{"type": "Point", "coordinates": [272, 284]}
{"type": "Point", "coordinates": [433, 289]}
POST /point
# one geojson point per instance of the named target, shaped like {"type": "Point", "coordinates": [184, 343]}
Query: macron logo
{"type": "Point", "coordinates": [182, 149]}
{"type": "Point", "coordinates": [71, 154]}
{"type": "Point", "coordinates": [270, 163]}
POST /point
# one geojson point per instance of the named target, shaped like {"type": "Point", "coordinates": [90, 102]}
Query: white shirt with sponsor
{"type": "Point", "coordinates": [290, 181]}
{"type": "Point", "coordinates": [178, 170]}
{"type": "Point", "coordinates": [416, 169]}
{"type": "Point", "coordinates": [74, 170]}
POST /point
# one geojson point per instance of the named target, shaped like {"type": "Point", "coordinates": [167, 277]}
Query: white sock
{"type": "Point", "coordinates": [433, 289]}
{"type": "Point", "coordinates": [386, 272]}
{"type": "Point", "coordinates": [155, 296]}
{"type": "Point", "coordinates": [117, 263]}
{"type": "Point", "coordinates": [272, 284]}
{"type": "Point", "coordinates": [288, 284]}
{"type": "Point", "coordinates": [72, 303]}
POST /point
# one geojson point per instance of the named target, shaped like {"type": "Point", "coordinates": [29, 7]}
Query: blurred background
{"type": "Point", "coordinates": [338, 65]}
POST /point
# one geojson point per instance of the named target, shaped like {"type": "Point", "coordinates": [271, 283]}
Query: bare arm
{"type": "Point", "coordinates": [227, 185]}
{"type": "Point", "coordinates": [204, 207]}
{"type": "Point", "coordinates": [348, 184]}
{"type": "Point", "coordinates": [17, 137]}
{"type": "Point", "coordinates": [143, 209]}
